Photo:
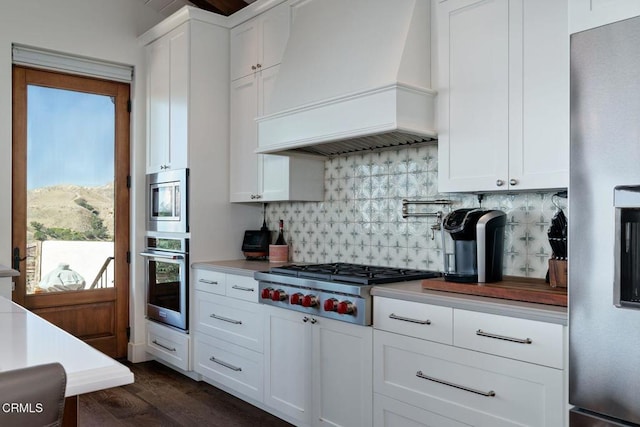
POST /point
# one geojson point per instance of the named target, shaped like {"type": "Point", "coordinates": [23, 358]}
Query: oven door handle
{"type": "Point", "coordinates": [162, 256]}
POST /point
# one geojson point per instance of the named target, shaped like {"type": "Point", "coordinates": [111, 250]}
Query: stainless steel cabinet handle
{"type": "Point", "coordinates": [162, 256]}
{"type": "Point", "coordinates": [305, 319]}
{"type": "Point", "coordinates": [513, 181]}
{"type": "Point", "coordinates": [482, 333]}
{"type": "Point", "coordinates": [208, 282]}
{"type": "Point", "coordinates": [242, 288]}
{"type": "Point", "coordinates": [489, 393]}
{"type": "Point", "coordinates": [226, 319]}
{"type": "Point", "coordinates": [163, 346]}
{"type": "Point", "coordinates": [225, 364]}
{"type": "Point", "coordinates": [499, 183]}
{"type": "Point", "coordinates": [408, 319]}
{"type": "Point", "coordinates": [314, 321]}
{"type": "Point", "coordinates": [259, 65]}
{"type": "Point", "coordinates": [253, 67]}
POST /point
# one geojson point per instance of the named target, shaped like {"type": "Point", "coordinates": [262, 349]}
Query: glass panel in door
{"type": "Point", "coordinates": [70, 190]}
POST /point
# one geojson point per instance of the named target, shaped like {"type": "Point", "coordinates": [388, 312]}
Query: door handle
{"type": "Point", "coordinates": [16, 259]}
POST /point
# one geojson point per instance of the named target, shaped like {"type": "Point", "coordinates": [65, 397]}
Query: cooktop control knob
{"type": "Point", "coordinates": [309, 301]}
{"type": "Point", "coordinates": [296, 299]}
{"type": "Point", "coordinates": [346, 307]}
{"type": "Point", "coordinates": [266, 293]}
{"type": "Point", "coordinates": [331, 304]}
{"type": "Point", "coordinates": [279, 295]}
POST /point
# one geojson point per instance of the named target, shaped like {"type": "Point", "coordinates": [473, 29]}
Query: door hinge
{"type": "Point", "coordinates": [128, 106]}
{"type": "Point", "coordinates": [128, 257]}
{"type": "Point", "coordinates": [128, 332]}
{"type": "Point", "coordinates": [128, 181]}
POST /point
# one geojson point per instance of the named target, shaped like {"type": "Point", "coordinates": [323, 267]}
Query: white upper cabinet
{"type": "Point", "coordinates": [168, 84]}
{"type": "Point", "coordinates": [257, 177]}
{"type": "Point", "coordinates": [585, 14]}
{"type": "Point", "coordinates": [259, 43]}
{"type": "Point", "coordinates": [503, 95]}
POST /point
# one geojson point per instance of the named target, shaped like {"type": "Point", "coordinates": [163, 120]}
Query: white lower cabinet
{"type": "Point", "coordinates": [389, 412]}
{"type": "Point", "coordinates": [498, 371]}
{"type": "Point", "coordinates": [318, 370]}
{"type": "Point", "coordinates": [236, 367]}
{"type": "Point", "coordinates": [228, 332]}
{"type": "Point", "coordinates": [168, 345]}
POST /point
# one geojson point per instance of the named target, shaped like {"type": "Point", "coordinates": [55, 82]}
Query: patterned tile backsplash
{"type": "Point", "coordinates": [360, 219]}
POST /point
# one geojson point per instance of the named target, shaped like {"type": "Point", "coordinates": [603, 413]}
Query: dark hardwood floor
{"type": "Point", "coordinates": [161, 396]}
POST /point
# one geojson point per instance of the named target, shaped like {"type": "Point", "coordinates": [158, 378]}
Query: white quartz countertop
{"type": "Point", "coordinates": [28, 340]}
{"type": "Point", "coordinates": [413, 291]}
{"type": "Point", "coordinates": [8, 272]}
{"type": "Point", "coordinates": [240, 267]}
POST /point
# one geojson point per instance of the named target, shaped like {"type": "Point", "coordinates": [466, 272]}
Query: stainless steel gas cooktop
{"type": "Point", "coordinates": [336, 290]}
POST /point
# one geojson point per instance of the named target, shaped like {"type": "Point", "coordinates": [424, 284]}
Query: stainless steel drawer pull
{"type": "Point", "coordinates": [489, 393]}
{"type": "Point", "coordinates": [242, 288]}
{"type": "Point", "coordinates": [482, 333]}
{"type": "Point", "coordinates": [408, 319]}
{"type": "Point", "coordinates": [225, 364]}
{"type": "Point", "coordinates": [208, 282]}
{"type": "Point", "coordinates": [226, 319]}
{"type": "Point", "coordinates": [163, 346]}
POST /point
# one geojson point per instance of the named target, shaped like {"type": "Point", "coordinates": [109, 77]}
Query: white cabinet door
{"type": "Point", "coordinates": [260, 42]}
{"type": "Point", "coordinates": [158, 63]}
{"type": "Point", "coordinates": [473, 94]}
{"type": "Point", "coordinates": [539, 95]}
{"type": "Point", "coordinates": [342, 365]}
{"type": "Point", "coordinates": [168, 85]}
{"type": "Point", "coordinates": [318, 371]}
{"type": "Point", "coordinates": [585, 14]}
{"type": "Point", "coordinates": [504, 95]}
{"type": "Point", "coordinates": [265, 178]}
{"type": "Point", "coordinates": [274, 32]}
{"type": "Point", "coordinates": [244, 48]}
{"type": "Point", "coordinates": [245, 165]}
{"type": "Point", "coordinates": [287, 384]}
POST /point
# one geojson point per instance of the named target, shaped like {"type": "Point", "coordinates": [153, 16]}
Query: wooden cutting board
{"type": "Point", "coordinates": [511, 288]}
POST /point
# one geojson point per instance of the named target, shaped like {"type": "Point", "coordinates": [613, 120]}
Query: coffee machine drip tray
{"type": "Point", "coordinates": [460, 278]}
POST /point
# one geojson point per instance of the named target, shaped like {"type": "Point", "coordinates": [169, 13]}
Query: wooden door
{"type": "Point", "coordinates": [70, 203]}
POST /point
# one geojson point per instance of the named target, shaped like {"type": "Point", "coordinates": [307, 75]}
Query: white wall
{"type": "Point", "coordinates": [101, 29]}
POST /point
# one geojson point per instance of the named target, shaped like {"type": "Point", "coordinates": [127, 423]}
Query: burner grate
{"type": "Point", "coordinates": [357, 274]}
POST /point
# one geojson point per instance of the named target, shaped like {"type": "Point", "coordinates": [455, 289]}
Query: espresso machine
{"type": "Point", "coordinates": [478, 238]}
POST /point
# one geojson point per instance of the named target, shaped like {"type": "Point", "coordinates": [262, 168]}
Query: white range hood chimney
{"type": "Point", "coordinates": [355, 76]}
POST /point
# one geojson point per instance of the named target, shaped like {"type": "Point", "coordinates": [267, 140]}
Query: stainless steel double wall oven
{"type": "Point", "coordinates": [166, 251]}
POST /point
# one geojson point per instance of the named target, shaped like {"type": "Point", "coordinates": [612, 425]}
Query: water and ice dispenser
{"type": "Point", "coordinates": [627, 246]}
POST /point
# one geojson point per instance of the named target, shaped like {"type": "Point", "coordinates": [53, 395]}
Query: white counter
{"type": "Point", "coordinates": [29, 340]}
{"type": "Point", "coordinates": [8, 272]}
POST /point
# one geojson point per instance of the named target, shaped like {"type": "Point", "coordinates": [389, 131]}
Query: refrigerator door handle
{"type": "Point", "coordinates": [482, 333]}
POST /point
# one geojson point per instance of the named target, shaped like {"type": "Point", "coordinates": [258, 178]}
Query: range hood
{"type": "Point", "coordinates": [355, 76]}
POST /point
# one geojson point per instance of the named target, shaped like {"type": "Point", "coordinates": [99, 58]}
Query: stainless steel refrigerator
{"type": "Point", "coordinates": [604, 226]}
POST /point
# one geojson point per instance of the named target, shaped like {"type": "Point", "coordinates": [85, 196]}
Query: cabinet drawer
{"type": "Point", "coordinates": [168, 345]}
{"type": "Point", "coordinates": [429, 322]}
{"type": "Point", "coordinates": [478, 389]}
{"type": "Point", "coordinates": [209, 281]}
{"type": "Point", "coordinates": [242, 287]}
{"type": "Point", "coordinates": [237, 322]}
{"type": "Point", "coordinates": [521, 339]}
{"type": "Point", "coordinates": [233, 366]}
{"type": "Point", "coordinates": [389, 412]}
